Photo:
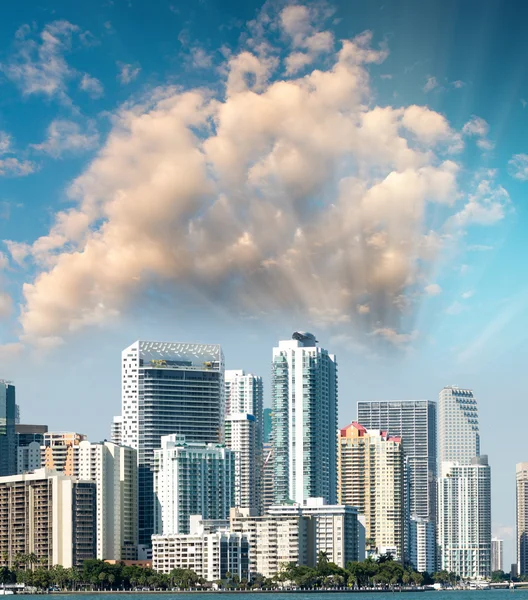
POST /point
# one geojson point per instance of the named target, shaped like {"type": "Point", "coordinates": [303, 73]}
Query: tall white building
{"type": "Point", "coordinates": [191, 479]}
{"type": "Point", "coordinates": [458, 425]}
{"type": "Point", "coordinates": [521, 476]}
{"type": "Point", "coordinates": [114, 469]}
{"type": "Point", "coordinates": [168, 388]}
{"type": "Point", "coordinates": [304, 397]}
{"type": "Point", "coordinates": [423, 540]}
{"type": "Point", "coordinates": [464, 528]}
{"type": "Point", "coordinates": [244, 434]}
{"type": "Point", "coordinates": [497, 555]}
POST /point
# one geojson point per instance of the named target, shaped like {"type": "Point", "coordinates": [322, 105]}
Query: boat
{"type": "Point", "coordinates": [4, 592]}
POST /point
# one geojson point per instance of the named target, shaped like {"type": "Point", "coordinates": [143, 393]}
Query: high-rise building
{"type": "Point", "coordinates": [168, 388]}
{"type": "Point", "coordinates": [304, 397]}
{"type": "Point", "coordinates": [60, 451]}
{"type": "Point", "coordinates": [497, 555]}
{"type": "Point", "coordinates": [244, 434]}
{"type": "Point", "coordinates": [240, 435]}
{"type": "Point", "coordinates": [267, 425]}
{"type": "Point", "coordinates": [211, 552]}
{"type": "Point", "coordinates": [114, 469]}
{"type": "Point", "coordinates": [422, 544]}
{"type": "Point", "coordinates": [415, 422]}
{"type": "Point", "coordinates": [48, 515]}
{"type": "Point", "coordinates": [267, 497]}
{"type": "Point", "coordinates": [464, 524]}
{"type": "Point", "coordinates": [116, 430]}
{"type": "Point", "coordinates": [191, 478]}
{"type": "Point", "coordinates": [521, 475]}
{"type": "Point", "coordinates": [458, 426]}
{"type": "Point", "coordinates": [371, 478]}
{"type": "Point", "coordinates": [29, 439]}
{"type": "Point", "coordinates": [8, 455]}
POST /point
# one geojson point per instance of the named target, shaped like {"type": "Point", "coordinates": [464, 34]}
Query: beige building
{"type": "Point", "coordinates": [60, 451]}
{"type": "Point", "coordinates": [114, 469]}
{"type": "Point", "coordinates": [371, 478]}
{"type": "Point", "coordinates": [49, 515]}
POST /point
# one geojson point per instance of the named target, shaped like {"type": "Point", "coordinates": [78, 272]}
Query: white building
{"type": "Point", "coordinates": [464, 532]}
{"type": "Point", "coordinates": [423, 540]}
{"type": "Point", "coordinates": [191, 479]}
{"type": "Point", "coordinates": [497, 554]}
{"type": "Point", "coordinates": [304, 397]}
{"type": "Point", "coordinates": [458, 426]}
{"type": "Point", "coordinates": [168, 388]}
{"type": "Point", "coordinates": [240, 437]}
{"type": "Point", "coordinates": [521, 477]}
{"type": "Point", "coordinates": [211, 553]}
{"type": "Point", "coordinates": [114, 469]}
{"type": "Point", "coordinates": [116, 430]}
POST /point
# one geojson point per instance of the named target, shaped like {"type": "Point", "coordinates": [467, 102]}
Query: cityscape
{"type": "Point", "coordinates": [198, 476]}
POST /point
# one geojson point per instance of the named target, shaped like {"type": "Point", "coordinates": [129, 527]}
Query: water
{"type": "Point", "coordinates": [518, 594]}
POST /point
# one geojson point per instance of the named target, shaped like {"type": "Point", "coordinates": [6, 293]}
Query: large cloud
{"type": "Point", "coordinates": [291, 194]}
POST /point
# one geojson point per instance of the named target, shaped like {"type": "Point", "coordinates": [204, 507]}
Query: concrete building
{"type": "Point", "coordinates": [211, 552]}
{"type": "Point", "coordinates": [371, 478]}
{"type": "Point", "coordinates": [191, 479]}
{"type": "Point", "coordinates": [458, 426]}
{"type": "Point", "coordinates": [168, 388]}
{"type": "Point", "coordinates": [29, 439]}
{"type": "Point", "coordinates": [116, 429]}
{"type": "Point", "coordinates": [423, 540]}
{"type": "Point", "coordinates": [267, 497]}
{"type": "Point", "coordinates": [521, 475]}
{"type": "Point", "coordinates": [497, 555]}
{"type": "Point", "coordinates": [415, 422]}
{"type": "Point", "coordinates": [8, 456]}
{"type": "Point", "coordinates": [240, 437]}
{"type": "Point", "coordinates": [464, 528]}
{"type": "Point", "coordinates": [304, 398]}
{"type": "Point", "coordinates": [60, 451]}
{"type": "Point", "coordinates": [114, 470]}
{"type": "Point", "coordinates": [49, 515]}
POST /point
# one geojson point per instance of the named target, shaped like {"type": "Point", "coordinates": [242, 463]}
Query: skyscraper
{"type": "Point", "coordinates": [458, 425]}
{"type": "Point", "coordinates": [371, 479]}
{"type": "Point", "coordinates": [521, 475]}
{"type": "Point", "coordinates": [304, 397]}
{"type": "Point", "coordinates": [267, 425]}
{"type": "Point", "coordinates": [497, 554]}
{"type": "Point", "coordinates": [191, 479]}
{"type": "Point", "coordinates": [168, 388]}
{"type": "Point", "coordinates": [8, 457]}
{"type": "Point", "coordinates": [29, 439]}
{"type": "Point", "coordinates": [60, 451]}
{"type": "Point", "coordinates": [415, 422]}
{"type": "Point", "coordinates": [464, 524]}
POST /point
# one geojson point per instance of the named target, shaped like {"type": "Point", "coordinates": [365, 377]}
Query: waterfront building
{"type": "Point", "coordinates": [211, 552]}
{"type": "Point", "coordinates": [423, 540]}
{"type": "Point", "coordinates": [458, 425]}
{"type": "Point", "coordinates": [60, 451]}
{"type": "Point", "coordinates": [464, 527]}
{"type": "Point", "coordinates": [304, 397]}
{"type": "Point", "coordinates": [47, 515]}
{"type": "Point", "coordinates": [29, 439]}
{"type": "Point", "coordinates": [191, 478]}
{"type": "Point", "coordinates": [521, 475]}
{"type": "Point", "coordinates": [168, 388]}
{"type": "Point", "coordinates": [240, 436]}
{"type": "Point", "coordinates": [371, 478]}
{"type": "Point", "coordinates": [116, 430]}
{"type": "Point", "coordinates": [497, 554]}
{"type": "Point", "coordinates": [267, 425]}
{"type": "Point", "coordinates": [114, 470]}
{"type": "Point", "coordinates": [415, 422]}
{"type": "Point", "coordinates": [8, 454]}
{"type": "Point", "coordinates": [267, 497]}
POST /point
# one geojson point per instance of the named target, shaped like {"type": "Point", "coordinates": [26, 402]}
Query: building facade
{"type": "Point", "coordinates": [415, 422]}
{"type": "Point", "coordinates": [304, 398]}
{"type": "Point", "coordinates": [497, 555]}
{"type": "Point", "coordinates": [240, 437]}
{"type": "Point", "coordinates": [29, 439]}
{"type": "Point", "coordinates": [168, 388]}
{"type": "Point", "coordinates": [212, 553]}
{"type": "Point", "coordinates": [458, 425]}
{"type": "Point", "coordinates": [60, 451]}
{"type": "Point", "coordinates": [8, 456]}
{"type": "Point", "coordinates": [521, 475]}
{"type": "Point", "coordinates": [423, 540]}
{"type": "Point", "coordinates": [371, 478]}
{"type": "Point", "coordinates": [191, 479]}
{"type": "Point", "coordinates": [267, 420]}
{"type": "Point", "coordinates": [267, 497]}
{"type": "Point", "coordinates": [48, 515]}
{"type": "Point", "coordinates": [113, 468]}
{"type": "Point", "coordinates": [464, 527]}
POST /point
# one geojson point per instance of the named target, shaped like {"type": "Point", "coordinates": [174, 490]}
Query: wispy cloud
{"type": "Point", "coordinates": [518, 166]}
{"type": "Point", "coordinates": [430, 84]}
{"type": "Point", "coordinates": [127, 72]}
{"type": "Point", "coordinates": [14, 167]}
{"type": "Point", "coordinates": [92, 86]}
{"type": "Point", "coordinates": [479, 128]}
{"type": "Point", "coordinates": [67, 137]}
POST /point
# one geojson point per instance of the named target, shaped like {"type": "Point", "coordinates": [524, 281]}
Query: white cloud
{"type": "Point", "coordinates": [479, 128]}
{"type": "Point", "coordinates": [14, 167]}
{"type": "Point", "coordinates": [92, 86]}
{"type": "Point", "coordinates": [486, 206]}
{"type": "Point", "coordinates": [67, 137]}
{"type": "Point", "coordinates": [468, 294]}
{"type": "Point", "coordinates": [430, 84]}
{"type": "Point", "coordinates": [458, 84]}
{"type": "Point", "coordinates": [200, 59]}
{"type": "Point", "coordinates": [4, 261]}
{"type": "Point", "coordinates": [128, 72]}
{"type": "Point", "coordinates": [518, 166]}
{"type": "Point", "coordinates": [5, 142]}
{"type": "Point", "coordinates": [433, 289]}
{"type": "Point", "coordinates": [394, 338]}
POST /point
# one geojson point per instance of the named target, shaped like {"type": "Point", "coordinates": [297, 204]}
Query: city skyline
{"type": "Point", "coordinates": [183, 174]}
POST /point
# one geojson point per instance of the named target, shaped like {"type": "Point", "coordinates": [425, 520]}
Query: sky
{"type": "Point", "coordinates": [230, 172]}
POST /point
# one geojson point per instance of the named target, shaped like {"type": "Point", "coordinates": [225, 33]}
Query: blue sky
{"type": "Point", "coordinates": [230, 172]}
